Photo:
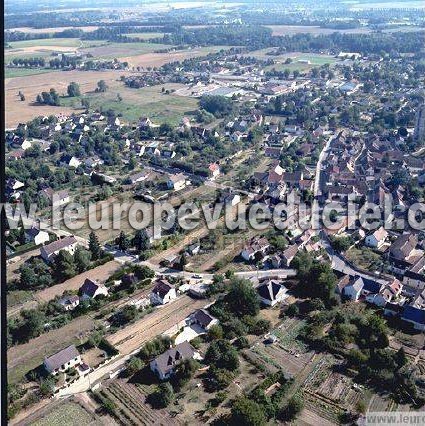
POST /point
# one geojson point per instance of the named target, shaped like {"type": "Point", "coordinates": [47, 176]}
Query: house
{"type": "Point", "coordinates": [51, 250]}
{"type": "Point", "coordinates": [91, 289]}
{"type": "Point", "coordinates": [176, 181]}
{"type": "Point", "coordinates": [230, 198]}
{"type": "Point", "coordinates": [37, 236]}
{"type": "Point", "coordinates": [93, 162]}
{"type": "Point", "coordinates": [377, 238]}
{"type": "Point", "coordinates": [138, 177]}
{"type": "Point", "coordinates": [163, 292]}
{"type": "Point", "coordinates": [288, 254]}
{"type": "Point", "coordinates": [145, 123]}
{"type": "Point", "coordinates": [213, 171]}
{"type": "Point", "coordinates": [273, 151]}
{"type": "Point", "coordinates": [62, 360]}
{"type": "Point", "coordinates": [69, 303]}
{"type": "Point", "coordinates": [163, 365]}
{"type": "Point", "coordinates": [415, 316]}
{"type": "Point", "coordinates": [415, 276]}
{"type": "Point", "coordinates": [350, 287]}
{"type": "Point", "coordinates": [402, 254]}
{"type": "Point", "coordinates": [203, 318]}
{"type": "Point", "coordinates": [258, 246]}
{"type": "Point", "coordinates": [60, 197]}
{"type": "Point", "coordinates": [271, 292]}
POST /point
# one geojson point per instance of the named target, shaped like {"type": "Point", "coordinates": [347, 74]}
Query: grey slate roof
{"type": "Point", "coordinates": [166, 361]}
{"type": "Point", "coordinates": [60, 358]}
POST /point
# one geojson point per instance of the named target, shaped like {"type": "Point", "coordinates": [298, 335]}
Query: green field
{"type": "Point", "coordinates": [23, 72]}
{"type": "Point", "coordinates": [117, 50]}
{"type": "Point", "coordinates": [147, 101]}
{"type": "Point", "coordinates": [145, 36]}
{"type": "Point", "coordinates": [65, 42]}
{"type": "Point", "coordinates": [314, 61]}
{"type": "Point", "coordinates": [68, 413]}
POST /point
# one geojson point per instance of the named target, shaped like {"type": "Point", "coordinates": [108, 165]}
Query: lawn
{"type": "Point", "coordinates": [145, 36]}
{"type": "Point", "coordinates": [147, 101]}
{"type": "Point", "coordinates": [117, 50]}
{"type": "Point", "coordinates": [23, 72]}
{"type": "Point", "coordinates": [68, 413]}
{"type": "Point", "coordinates": [65, 42]}
{"type": "Point", "coordinates": [313, 60]}
{"type": "Point", "coordinates": [17, 297]}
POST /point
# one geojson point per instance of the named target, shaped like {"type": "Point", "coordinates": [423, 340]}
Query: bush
{"type": "Point", "coordinates": [162, 397]}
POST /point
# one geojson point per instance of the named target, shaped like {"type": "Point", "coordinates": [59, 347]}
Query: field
{"type": "Point", "coordinates": [101, 273]}
{"type": "Point", "coordinates": [26, 357]}
{"type": "Point", "coordinates": [68, 413]}
{"type": "Point", "coordinates": [24, 72]}
{"type": "Point", "coordinates": [133, 336]}
{"type": "Point", "coordinates": [31, 86]}
{"type": "Point", "coordinates": [145, 36]}
{"type": "Point", "coordinates": [31, 30]}
{"type": "Point", "coordinates": [146, 101]}
{"type": "Point", "coordinates": [279, 30]}
{"type": "Point", "coordinates": [118, 50]}
{"type": "Point", "coordinates": [300, 62]}
{"type": "Point", "coordinates": [130, 400]}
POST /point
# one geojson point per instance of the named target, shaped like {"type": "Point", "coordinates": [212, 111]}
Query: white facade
{"type": "Point", "coordinates": [156, 299]}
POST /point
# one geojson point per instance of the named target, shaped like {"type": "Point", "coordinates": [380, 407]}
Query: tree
{"type": "Point", "coordinates": [134, 365]}
{"type": "Point", "coordinates": [32, 326]}
{"type": "Point", "coordinates": [215, 332]}
{"type": "Point", "coordinates": [293, 408]}
{"type": "Point", "coordinates": [64, 267]}
{"type": "Point", "coordinates": [123, 241]}
{"type": "Point", "coordinates": [242, 298]}
{"type": "Point", "coordinates": [222, 354]}
{"type": "Point", "coordinates": [163, 396]}
{"type": "Point", "coordinates": [247, 412]}
{"type": "Point", "coordinates": [73, 89]}
{"type": "Point", "coordinates": [82, 259]}
{"type": "Point", "coordinates": [141, 240]}
{"type": "Point", "coordinates": [85, 103]}
{"type": "Point", "coordinates": [101, 86]}
{"type": "Point", "coordinates": [94, 246]}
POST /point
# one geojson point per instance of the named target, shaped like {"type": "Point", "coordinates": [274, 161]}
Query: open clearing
{"type": "Point", "coordinates": [161, 319]}
{"type": "Point", "coordinates": [146, 101]}
{"type": "Point", "coordinates": [68, 413]}
{"type": "Point", "coordinates": [158, 59]}
{"type": "Point", "coordinates": [52, 30]}
{"type": "Point", "coordinates": [279, 30]}
{"type": "Point", "coordinates": [18, 111]}
{"type": "Point", "coordinates": [118, 50]}
{"type": "Point", "coordinates": [101, 274]}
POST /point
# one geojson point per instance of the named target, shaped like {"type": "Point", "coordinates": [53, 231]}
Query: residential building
{"type": "Point", "coordinates": [377, 238]}
{"type": "Point", "coordinates": [69, 303]}
{"type": "Point", "coordinates": [176, 182]}
{"type": "Point", "coordinates": [91, 289]}
{"type": "Point", "coordinates": [164, 365]}
{"type": "Point", "coordinates": [62, 360]}
{"type": "Point", "coordinates": [37, 236]}
{"type": "Point", "coordinates": [271, 292]}
{"type": "Point", "coordinates": [49, 251]}
{"type": "Point", "coordinates": [203, 318]}
{"type": "Point", "coordinates": [419, 132]}
{"type": "Point", "coordinates": [258, 246]}
{"type": "Point", "coordinates": [163, 292]}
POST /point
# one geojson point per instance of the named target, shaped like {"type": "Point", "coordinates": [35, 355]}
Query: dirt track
{"type": "Point", "coordinates": [101, 273]}
{"type": "Point", "coordinates": [132, 337]}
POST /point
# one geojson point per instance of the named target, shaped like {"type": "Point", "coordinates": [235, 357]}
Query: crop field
{"type": "Point", "coordinates": [69, 413]}
{"type": "Point", "coordinates": [136, 103]}
{"type": "Point", "coordinates": [21, 111]}
{"type": "Point", "coordinates": [24, 72]}
{"type": "Point", "coordinates": [279, 30]}
{"type": "Point", "coordinates": [131, 406]}
{"type": "Point", "coordinates": [118, 50]}
{"type": "Point", "coordinates": [24, 358]}
{"type": "Point", "coordinates": [145, 36]}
